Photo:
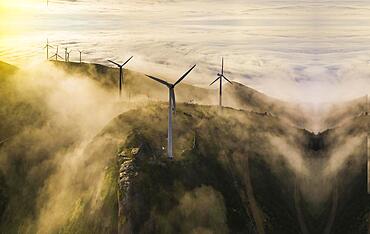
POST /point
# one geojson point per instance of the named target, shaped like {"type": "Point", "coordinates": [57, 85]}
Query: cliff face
{"type": "Point", "coordinates": [261, 175]}
{"type": "Point", "coordinates": [218, 181]}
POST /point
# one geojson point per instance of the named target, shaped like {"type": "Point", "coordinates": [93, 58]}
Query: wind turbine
{"type": "Point", "coordinates": [219, 77]}
{"type": "Point", "coordinates": [56, 55]}
{"type": "Point", "coordinates": [120, 73]}
{"type": "Point", "coordinates": [47, 48]}
{"type": "Point", "coordinates": [80, 51]}
{"type": "Point", "coordinates": [171, 107]}
{"type": "Point", "coordinates": [66, 54]}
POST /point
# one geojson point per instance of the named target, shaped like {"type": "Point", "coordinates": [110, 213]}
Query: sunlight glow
{"type": "Point", "coordinates": [12, 4]}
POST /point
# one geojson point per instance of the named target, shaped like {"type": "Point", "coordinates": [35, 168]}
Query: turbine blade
{"type": "Point", "coordinates": [127, 61]}
{"type": "Point", "coordinates": [222, 69]}
{"type": "Point", "coordinates": [227, 79]}
{"type": "Point", "coordinates": [183, 76]}
{"type": "Point", "coordinates": [60, 56]}
{"type": "Point", "coordinates": [215, 80]}
{"type": "Point", "coordinates": [114, 62]}
{"type": "Point", "coordinates": [159, 80]}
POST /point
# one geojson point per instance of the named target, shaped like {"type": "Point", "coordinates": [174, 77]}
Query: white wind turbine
{"type": "Point", "coordinates": [171, 107]}
{"type": "Point", "coordinates": [47, 46]}
{"type": "Point", "coordinates": [80, 51]}
{"type": "Point", "coordinates": [221, 76]}
{"type": "Point", "coordinates": [56, 55]}
{"type": "Point", "coordinates": [66, 54]}
{"type": "Point", "coordinates": [120, 66]}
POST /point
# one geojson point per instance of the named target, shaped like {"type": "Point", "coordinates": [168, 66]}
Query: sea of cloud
{"type": "Point", "coordinates": [305, 51]}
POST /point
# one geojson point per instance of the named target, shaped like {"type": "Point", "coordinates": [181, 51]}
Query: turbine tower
{"type": "Point", "coordinates": [171, 107]}
{"type": "Point", "coordinates": [56, 55]}
{"type": "Point", "coordinates": [66, 54]}
{"type": "Point", "coordinates": [221, 76]}
{"type": "Point", "coordinates": [47, 46]}
{"type": "Point", "coordinates": [120, 66]}
{"type": "Point", "coordinates": [80, 51]}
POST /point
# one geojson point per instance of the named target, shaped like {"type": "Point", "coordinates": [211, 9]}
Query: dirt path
{"type": "Point", "coordinates": [247, 195]}
{"type": "Point", "coordinates": [256, 212]}
{"type": "Point", "coordinates": [297, 203]}
{"type": "Point", "coordinates": [3, 141]}
{"type": "Point", "coordinates": [333, 210]}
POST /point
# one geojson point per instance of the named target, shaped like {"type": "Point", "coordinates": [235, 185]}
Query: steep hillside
{"type": "Point", "coordinates": [336, 114]}
{"type": "Point", "coordinates": [349, 145]}
{"type": "Point", "coordinates": [74, 160]}
{"type": "Point", "coordinates": [7, 70]}
{"type": "Point", "coordinates": [250, 173]}
{"type": "Point", "coordinates": [220, 181]}
{"type": "Point", "coordinates": [236, 95]}
{"type": "Point", "coordinates": [16, 111]}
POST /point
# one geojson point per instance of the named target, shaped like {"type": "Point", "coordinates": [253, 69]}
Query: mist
{"type": "Point", "coordinates": [57, 173]}
{"type": "Point", "coordinates": [326, 60]}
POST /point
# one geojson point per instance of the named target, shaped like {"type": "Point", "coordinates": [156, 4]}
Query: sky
{"type": "Point", "coordinates": [302, 51]}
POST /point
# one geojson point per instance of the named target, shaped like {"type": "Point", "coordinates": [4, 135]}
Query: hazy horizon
{"type": "Point", "coordinates": [306, 51]}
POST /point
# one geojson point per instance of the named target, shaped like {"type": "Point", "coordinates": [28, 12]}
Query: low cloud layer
{"type": "Point", "coordinates": [301, 51]}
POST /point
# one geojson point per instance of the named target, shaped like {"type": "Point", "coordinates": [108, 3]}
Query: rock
{"type": "Point", "coordinates": [122, 154]}
{"type": "Point", "coordinates": [135, 151]}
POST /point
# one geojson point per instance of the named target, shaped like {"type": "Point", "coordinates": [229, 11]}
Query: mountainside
{"type": "Point", "coordinates": [339, 113]}
{"type": "Point", "coordinates": [220, 179]}
{"type": "Point", "coordinates": [258, 174]}
{"type": "Point", "coordinates": [73, 159]}
{"type": "Point", "coordinates": [7, 69]}
{"type": "Point", "coordinates": [236, 95]}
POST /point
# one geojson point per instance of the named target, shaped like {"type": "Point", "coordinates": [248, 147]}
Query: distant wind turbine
{"type": "Point", "coordinates": [56, 55]}
{"type": "Point", "coordinates": [120, 73]}
{"type": "Point", "coordinates": [171, 107]}
{"type": "Point", "coordinates": [219, 77]}
{"type": "Point", "coordinates": [80, 51]}
{"type": "Point", "coordinates": [66, 54]}
{"type": "Point", "coordinates": [47, 46]}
